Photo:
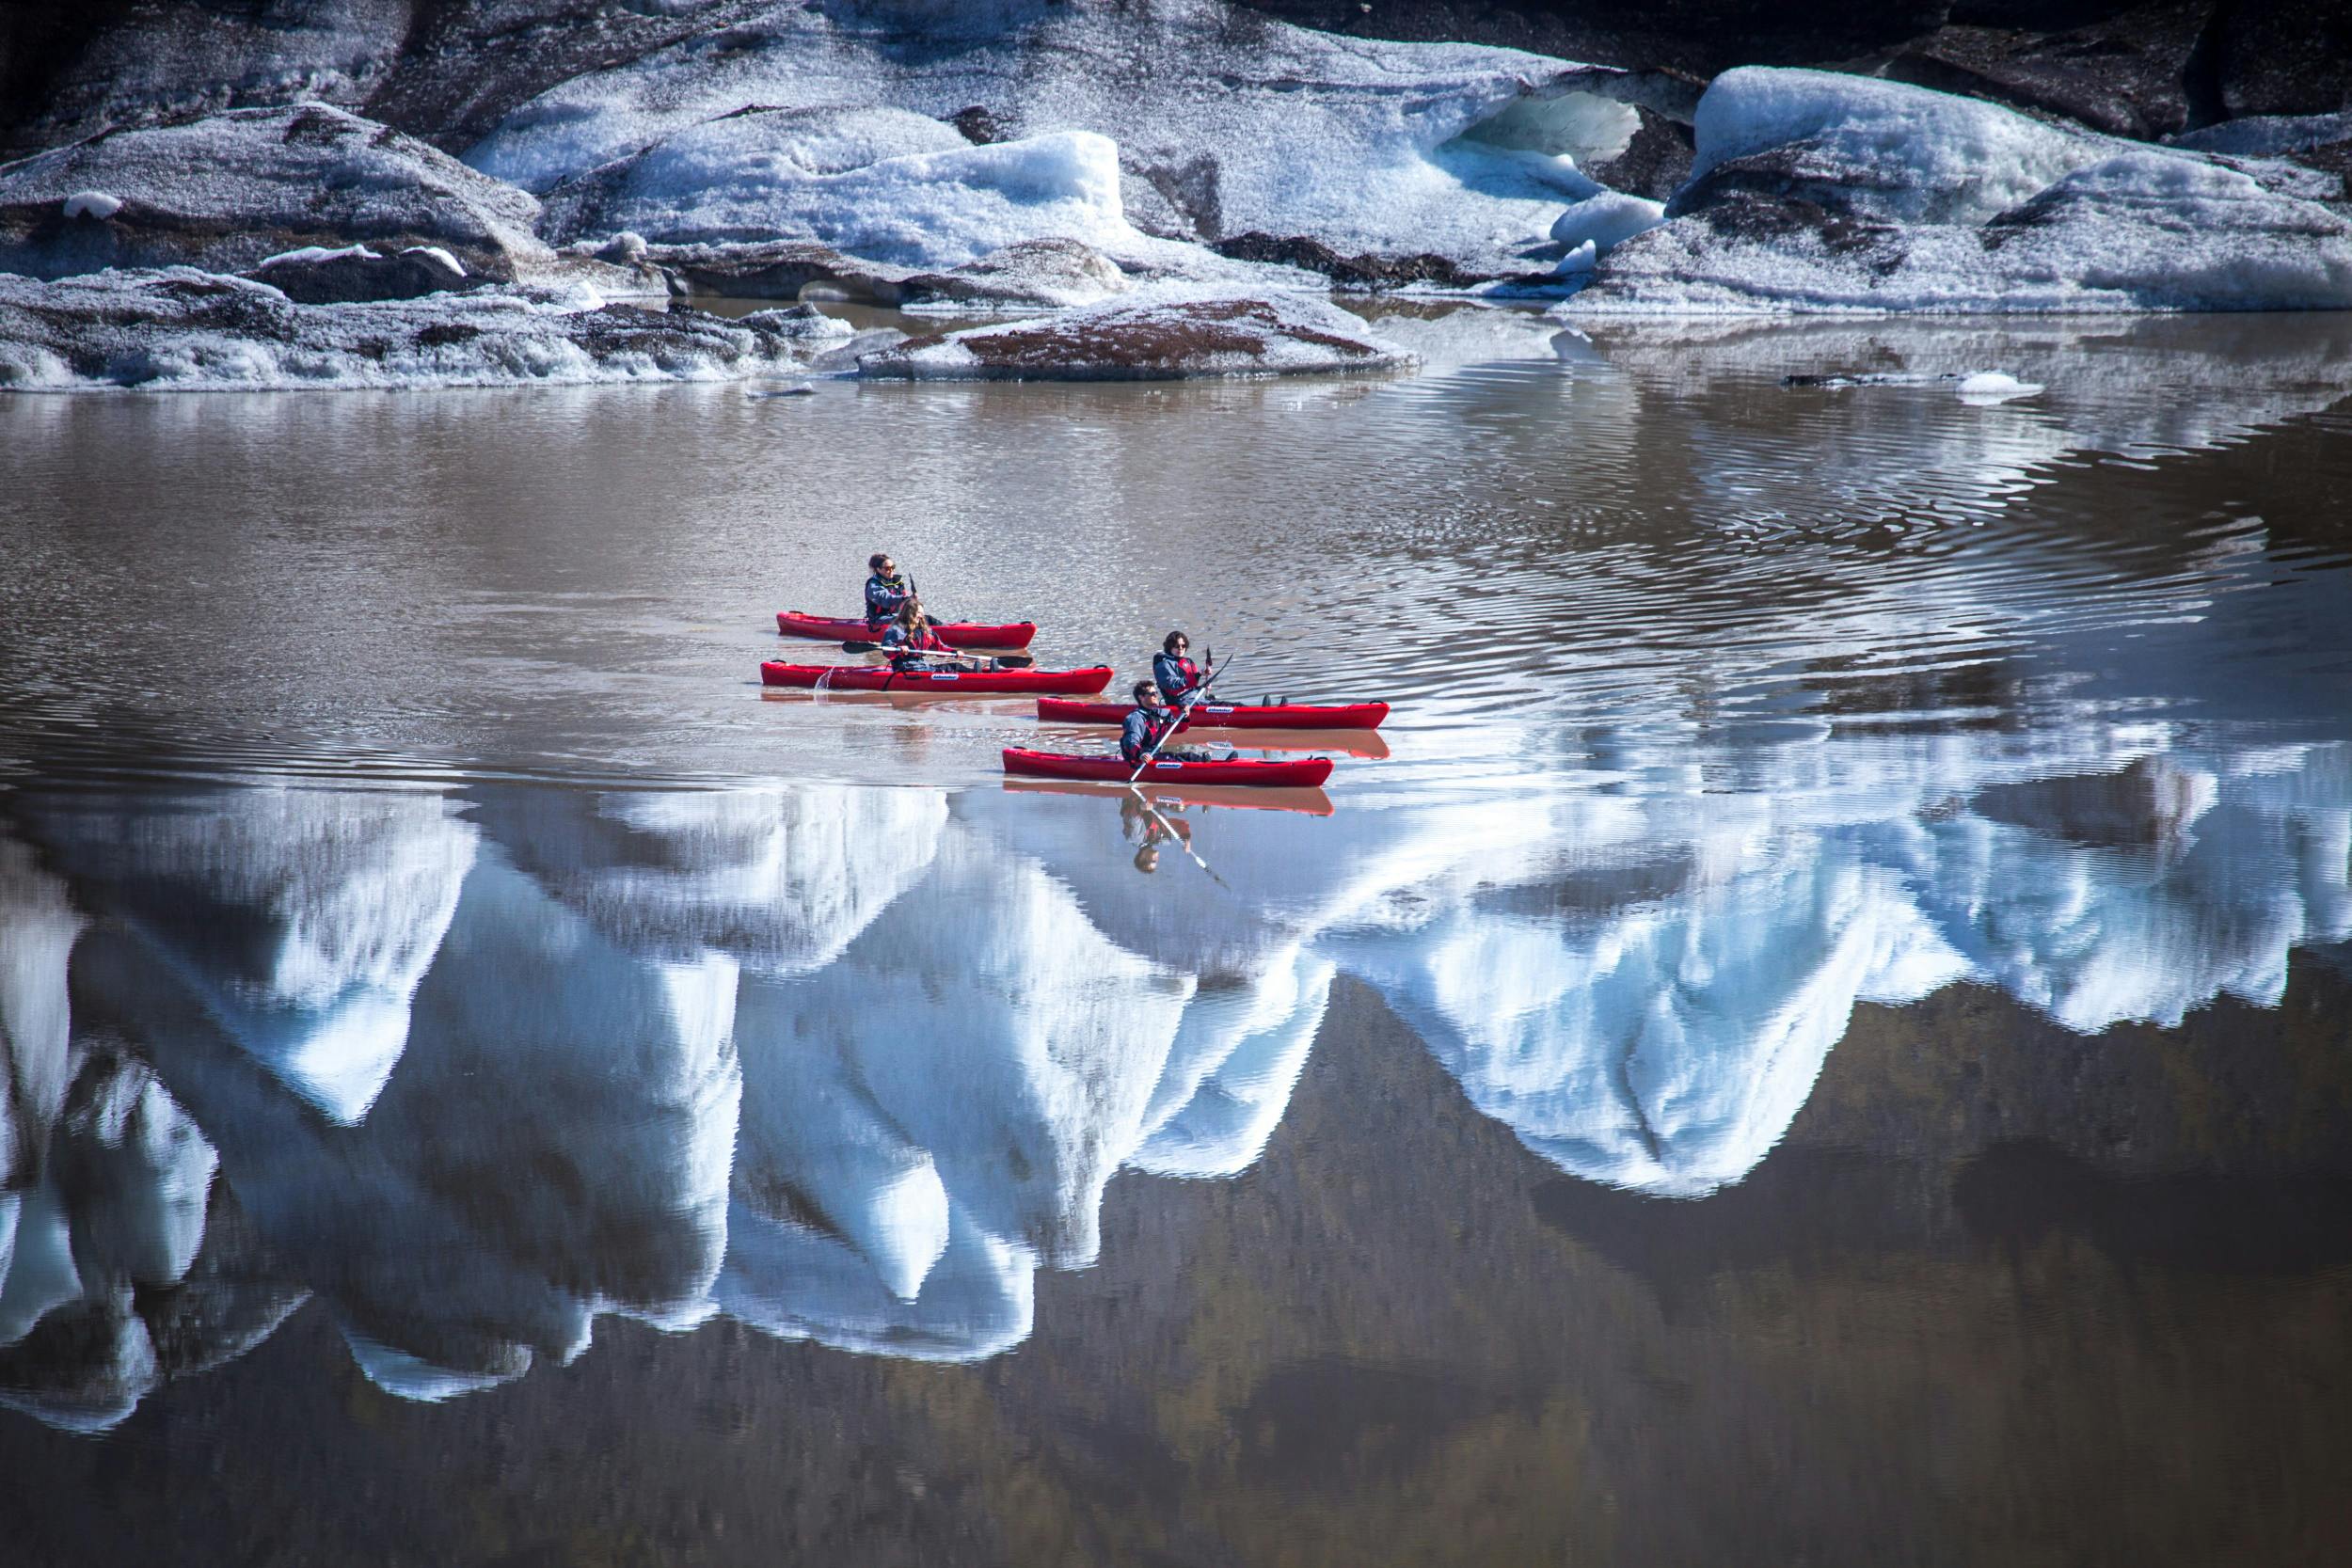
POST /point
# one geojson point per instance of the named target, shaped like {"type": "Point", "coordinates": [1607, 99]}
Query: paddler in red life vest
{"type": "Point", "coordinates": [885, 590]}
{"type": "Point", "coordinates": [1179, 678]}
{"type": "Point", "coordinates": [1146, 722]}
{"type": "Point", "coordinates": [914, 644]}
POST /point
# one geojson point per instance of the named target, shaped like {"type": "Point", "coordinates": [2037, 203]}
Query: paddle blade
{"type": "Point", "coordinates": [861, 647]}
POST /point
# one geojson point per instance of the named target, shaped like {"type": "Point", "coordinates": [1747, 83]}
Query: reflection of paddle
{"type": "Point", "coordinates": [1184, 841]}
{"type": "Point", "coordinates": [1003, 661]}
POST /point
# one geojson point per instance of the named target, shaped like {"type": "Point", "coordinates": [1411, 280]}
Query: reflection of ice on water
{"type": "Point", "coordinates": [851, 1065]}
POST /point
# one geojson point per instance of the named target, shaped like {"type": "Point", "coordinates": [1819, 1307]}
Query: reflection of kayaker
{"type": "Point", "coordinates": [1147, 829]}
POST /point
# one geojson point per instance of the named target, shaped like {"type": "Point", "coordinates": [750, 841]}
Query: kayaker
{"type": "Point", "coordinates": [885, 590]}
{"type": "Point", "coordinates": [912, 643]}
{"type": "Point", "coordinates": [1180, 679]}
{"type": "Point", "coordinates": [1149, 720]}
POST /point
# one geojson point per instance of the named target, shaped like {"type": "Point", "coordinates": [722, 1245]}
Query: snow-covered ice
{"type": "Point", "coordinates": [1226, 122]}
{"type": "Point", "coordinates": [894, 195]}
{"type": "Point", "coordinates": [183, 330]}
{"type": "Point", "coordinates": [1818, 191]}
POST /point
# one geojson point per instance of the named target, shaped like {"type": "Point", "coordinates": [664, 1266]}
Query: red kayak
{"type": "Point", "coordinates": [956, 634]}
{"type": "Point", "coordinates": [1300, 773]}
{"type": "Point", "coordinates": [876, 677]}
{"type": "Point", "coordinates": [1229, 716]}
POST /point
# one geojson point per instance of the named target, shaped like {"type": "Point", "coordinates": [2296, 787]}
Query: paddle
{"type": "Point", "coordinates": [1009, 661]}
{"type": "Point", "coordinates": [1190, 698]}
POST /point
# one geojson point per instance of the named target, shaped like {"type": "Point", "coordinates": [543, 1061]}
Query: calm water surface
{"type": "Point", "coordinates": [1818, 1033]}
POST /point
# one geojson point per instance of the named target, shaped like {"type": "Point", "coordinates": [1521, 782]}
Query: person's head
{"type": "Point", "coordinates": [911, 612]}
{"type": "Point", "coordinates": [1146, 693]}
{"type": "Point", "coordinates": [1176, 642]}
{"type": "Point", "coordinates": [1148, 859]}
{"type": "Point", "coordinates": [880, 564]}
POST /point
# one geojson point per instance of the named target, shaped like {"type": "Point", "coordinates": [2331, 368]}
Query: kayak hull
{"type": "Point", "coordinates": [1289, 773]}
{"type": "Point", "coordinates": [875, 677]}
{"type": "Point", "coordinates": [1231, 716]}
{"type": "Point", "coordinates": [956, 634]}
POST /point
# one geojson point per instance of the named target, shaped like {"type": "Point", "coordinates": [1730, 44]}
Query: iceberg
{"type": "Point", "coordinates": [1818, 191]}
{"type": "Point", "coordinates": [1230, 1069]}
{"type": "Point", "coordinates": [182, 330]}
{"type": "Point", "coordinates": [555, 1142]}
{"type": "Point", "coordinates": [1664, 1047]}
{"type": "Point", "coordinates": [225, 191]}
{"type": "Point", "coordinates": [304, 918]}
{"type": "Point", "coordinates": [1227, 124]}
{"type": "Point", "coordinates": [757, 178]}
{"type": "Point", "coordinates": [98, 1245]}
{"type": "Point", "coordinates": [778, 879]}
{"type": "Point", "coordinates": [1158, 339]}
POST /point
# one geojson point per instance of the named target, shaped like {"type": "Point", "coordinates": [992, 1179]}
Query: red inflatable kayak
{"type": "Point", "coordinates": [1300, 773]}
{"type": "Point", "coordinates": [876, 677]}
{"type": "Point", "coordinates": [1229, 716]}
{"type": "Point", "coordinates": [956, 634]}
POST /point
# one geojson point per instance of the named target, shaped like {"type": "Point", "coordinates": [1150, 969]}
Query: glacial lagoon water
{"type": "Point", "coordinates": [1820, 1035]}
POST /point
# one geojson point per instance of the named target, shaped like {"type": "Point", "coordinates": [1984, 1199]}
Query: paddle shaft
{"type": "Point", "coordinates": [1009, 661]}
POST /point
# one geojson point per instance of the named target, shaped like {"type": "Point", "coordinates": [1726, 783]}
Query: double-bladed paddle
{"type": "Point", "coordinates": [1008, 661]}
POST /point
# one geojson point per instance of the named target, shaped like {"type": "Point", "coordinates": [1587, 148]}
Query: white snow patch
{"type": "Point", "coordinates": [1603, 220]}
{"type": "Point", "coordinates": [92, 204]}
{"type": "Point", "coordinates": [434, 253]}
{"type": "Point", "coordinates": [318, 253]}
{"type": "Point", "coordinates": [1988, 386]}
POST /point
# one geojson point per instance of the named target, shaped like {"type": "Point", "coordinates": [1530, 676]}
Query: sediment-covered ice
{"type": "Point", "coordinates": [1818, 191]}
{"type": "Point", "coordinates": [183, 330]}
{"type": "Point", "coordinates": [1162, 337]}
{"type": "Point", "coordinates": [1226, 123]}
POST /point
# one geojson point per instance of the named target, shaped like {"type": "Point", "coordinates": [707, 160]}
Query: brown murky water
{"type": "Point", "coordinates": [1820, 1032]}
